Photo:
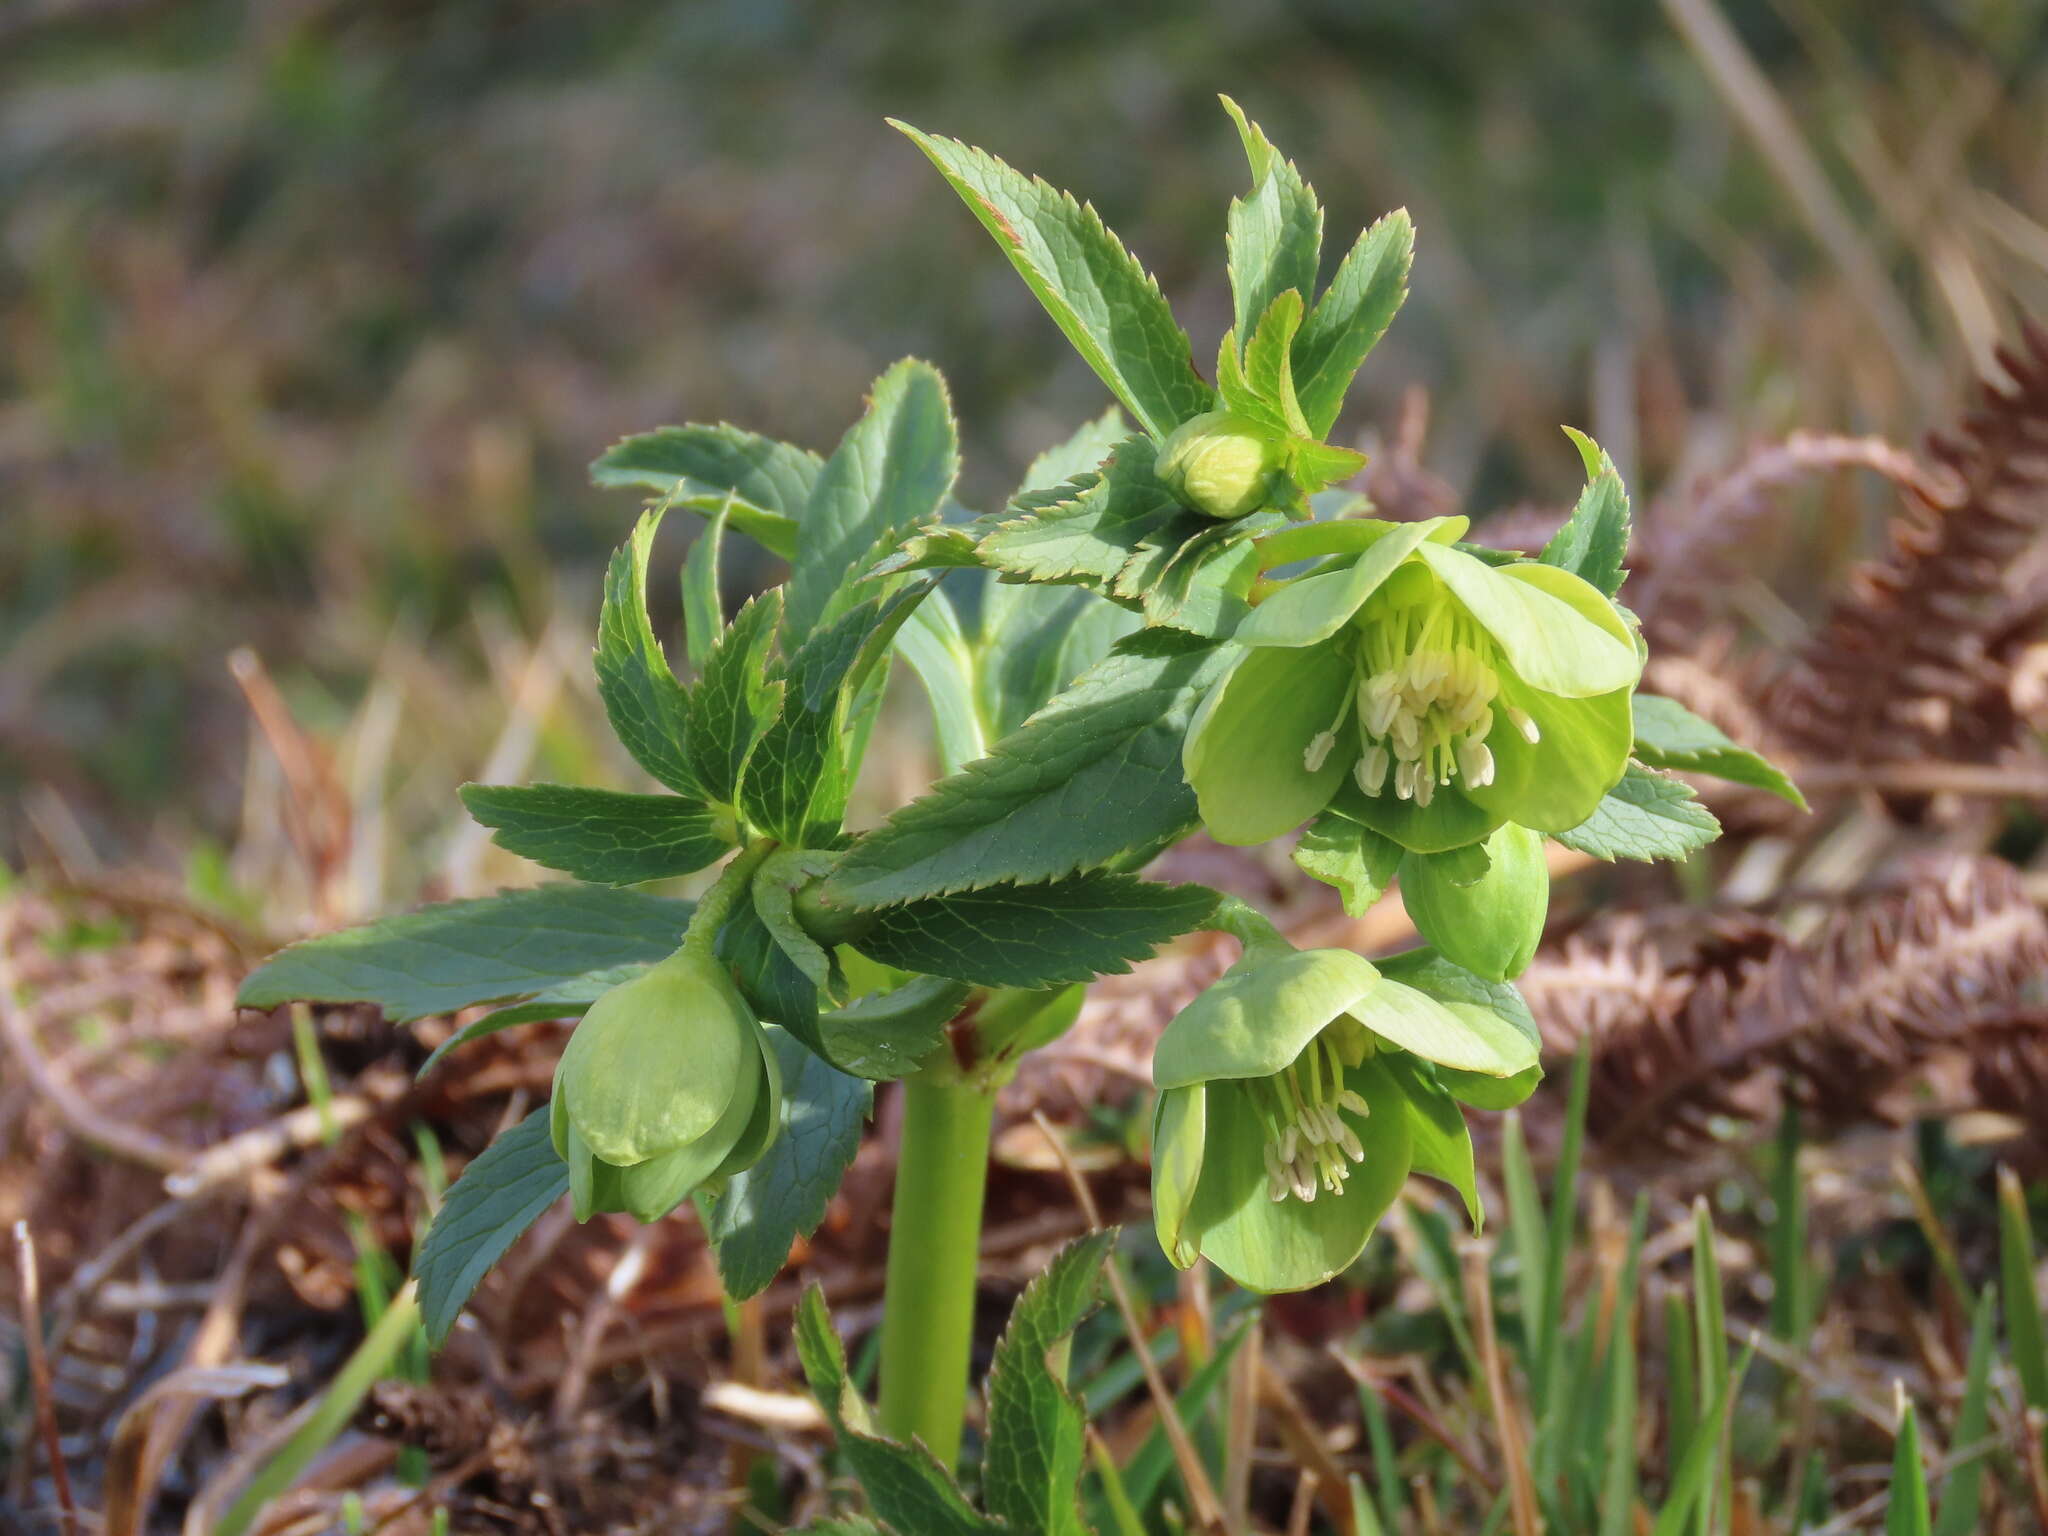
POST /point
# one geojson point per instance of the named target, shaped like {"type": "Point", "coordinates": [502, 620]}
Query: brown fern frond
{"type": "Point", "coordinates": [1837, 1019]}
{"type": "Point", "coordinates": [1895, 670]}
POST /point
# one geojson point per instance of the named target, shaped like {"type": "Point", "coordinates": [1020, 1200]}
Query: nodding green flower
{"type": "Point", "coordinates": [668, 1081]}
{"type": "Point", "coordinates": [1281, 1135]}
{"type": "Point", "coordinates": [1419, 690]}
{"type": "Point", "coordinates": [1485, 914]}
{"type": "Point", "coordinates": [1220, 463]}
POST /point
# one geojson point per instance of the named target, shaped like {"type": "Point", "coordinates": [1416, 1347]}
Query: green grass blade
{"type": "Point", "coordinates": [1681, 1385]}
{"type": "Point", "coordinates": [1364, 1520]}
{"type": "Point", "coordinates": [1529, 1238]}
{"type": "Point", "coordinates": [2023, 1331]}
{"type": "Point", "coordinates": [1618, 1481]}
{"type": "Point", "coordinates": [1386, 1462]}
{"type": "Point", "coordinates": [1691, 1488]}
{"type": "Point", "coordinates": [1786, 1238]}
{"type": "Point", "coordinates": [1963, 1492]}
{"type": "Point", "coordinates": [1908, 1514]}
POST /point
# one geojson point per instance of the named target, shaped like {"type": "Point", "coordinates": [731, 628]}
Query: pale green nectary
{"type": "Point", "coordinates": [1220, 464]}
{"type": "Point", "coordinates": [1491, 925]}
{"type": "Point", "coordinates": [1417, 689]}
{"type": "Point", "coordinates": [667, 1082]}
{"type": "Point", "coordinates": [1280, 1136]}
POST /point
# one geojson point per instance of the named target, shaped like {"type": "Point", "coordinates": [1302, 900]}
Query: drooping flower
{"type": "Point", "coordinates": [668, 1081]}
{"type": "Point", "coordinates": [1283, 1131]}
{"type": "Point", "coordinates": [1415, 688]}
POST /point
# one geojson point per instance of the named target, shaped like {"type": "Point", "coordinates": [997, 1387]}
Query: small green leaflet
{"type": "Point", "coordinates": [783, 1196]}
{"type": "Point", "coordinates": [700, 467]}
{"type": "Point", "coordinates": [1646, 816]}
{"type": "Point", "coordinates": [499, 1195]}
{"type": "Point", "coordinates": [1092, 777]}
{"type": "Point", "coordinates": [600, 835]}
{"type": "Point", "coordinates": [1275, 235]}
{"type": "Point", "coordinates": [891, 471]}
{"type": "Point", "coordinates": [566, 1000]}
{"type": "Point", "coordinates": [1594, 539]}
{"type": "Point", "coordinates": [905, 1483]}
{"type": "Point", "coordinates": [647, 707]}
{"type": "Point", "coordinates": [737, 694]}
{"type": "Point", "coordinates": [1094, 289]}
{"type": "Point", "coordinates": [459, 953]}
{"type": "Point", "coordinates": [1668, 735]}
{"type": "Point", "coordinates": [1358, 861]}
{"type": "Point", "coordinates": [1350, 317]}
{"type": "Point", "coordinates": [1046, 935]}
{"type": "Point", "coordinates": [1031, 1471]}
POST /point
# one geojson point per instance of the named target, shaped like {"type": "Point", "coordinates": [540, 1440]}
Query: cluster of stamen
{"type": "Point", "coordinates": [1308, 1145]}
{"type": "Point", "coordinates": [1423, 691]}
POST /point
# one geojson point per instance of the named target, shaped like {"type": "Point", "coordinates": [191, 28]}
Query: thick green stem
{"type": "Point", "coordinates": [934, 1246]}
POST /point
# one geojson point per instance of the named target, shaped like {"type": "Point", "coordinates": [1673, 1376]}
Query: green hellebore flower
{"type": "Point", "coordinates": [668, 1081]}
{"type": "Point", "coordinates": [1490, 925]}
{"type": "Point", "coordinates": [1220, 463]}
{"type": "Point", "coordinates": [1281, 1134]}
{"type": "Point", "coordinates": [1420, 691]}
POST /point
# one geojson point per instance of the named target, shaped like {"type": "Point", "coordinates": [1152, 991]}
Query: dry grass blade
{"type": "Point", "coordinates": [30, 1293]}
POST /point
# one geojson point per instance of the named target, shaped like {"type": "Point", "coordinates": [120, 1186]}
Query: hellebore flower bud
{"type": "Point", "coordinates": [668, 1081]}
{"type": "Point", "coordinates": [1491, 925]}
{"type": "Point", "coordinates": [1219, 463]}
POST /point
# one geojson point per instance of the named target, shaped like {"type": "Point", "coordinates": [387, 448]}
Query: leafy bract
{"type": "Point", "coordinates": [1648, 815]}
{"type": "Point", "coordinates": [499, 1195]}
{"type": "Point", "coordinates": [705, 468]}
{"type": "Point", "coordinates": [647, 707]}
{"type": "Point", "coordinates": [600, 835]}
{"type": "Point", "coordinates": [1092, 778]}
{"type": "Point", "coordinates": [738, 692]}
{"type": "Point", "coordinates": [891, 471]}
{"type": "Point", "coordinates": [1594, 539]}
{"type": "Point", "coordinates": [1094, 289]}
{"type": "Point", "coordinates": [1275, 233]}
{"type": "Point", "coordinates": [458, 953]}
{"type": "Point", "coordinates": [783, 1196]}
{"type": "Point", "coordinates": [1355, 859]}
{"type": "Point", "coordinates": [1350, 317]}
{"type": "Point", "coordinates": [1045, 935]}
{"type": "Point", "coordinates": [1668, 735]}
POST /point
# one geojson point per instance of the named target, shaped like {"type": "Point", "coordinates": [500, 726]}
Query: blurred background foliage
{"type": "Point", "coordinates": [314, 313]}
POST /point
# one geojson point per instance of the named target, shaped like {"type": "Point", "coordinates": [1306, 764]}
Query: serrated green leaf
{"type": "Point", "coordinates": [499, 1195]}
{"type": "Point", "coordinates": [1358, 861]}
{"type": "Point", "coordinates": [891, 471]}
{"type": "Point", "coordinates": [1193, 574]}
{"type": "Point", "coordinates": [1091, 778]}
{"type": "Point", "coordinates": [1350, 318]}
{"type": "Point", "coordinates": [1107, 305]}
{"type": "Point", "coordinates": [647, 707]}
{"type": "Point", "coordinates": [737, 694]}
{"type": "Point", "coordinates": [1035, 935]}
{"type": "Point", "coordinates": [703, 612]}
{"type": "Point", "coordinates": [905, 1483]}
{"type": "Point", "coordinates": [1275, 234]}
{"type": "Point", "coordinates": [1037, 642]}
{"type": "Point", "coordinates": [700, 467]}
{"type": "Point", "coordinates": [1081, 451]}
{"type": "Point", "coordinates": [1646, 816]}
{"type": "Point", "coordinates": [1268, 365]}
{"type": "Point", "coordinates": [1668, 735]}
{"type": "Point", "coordinates": [600, 835]}
{"type": "Point", "coordinates": [890, 1034]}
{"type": "Point", "coordinates": [801, 768]}
{"type": "Point", "coordinates": [783, 1196]}
{"type": "Point", "coordinates": [570, 999]}
{"type": "Point", "coordinates": [1087, 529]}
{"type": "Point", "coordinates": [460, 953]}
{"type": "Point", "coordinates": [1594, 539]}
{"type": "Point", "coordinates": [1031, 1470]}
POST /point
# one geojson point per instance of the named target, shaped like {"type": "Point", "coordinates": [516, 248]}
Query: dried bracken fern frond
{"type": "Point", "coordinates": [1906, 655]}
{"type": "Point", "coordinates": [1836, 1020]}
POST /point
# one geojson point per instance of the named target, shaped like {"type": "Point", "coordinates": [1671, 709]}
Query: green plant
{"type": "Point", "coordinates": [1168, 628]}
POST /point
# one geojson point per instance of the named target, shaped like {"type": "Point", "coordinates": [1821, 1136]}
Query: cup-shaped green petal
{"type": "Point", "coordinates": [658, 1062]}
{"type": "Point", "coordinates": [1245, 749]}
{"type": "Point", "coordinates": [1231, 1218]}
{"type": "Point", "coordinates": [1467, 1036]}
{"type": "Point", "coordinates": [1557, 632]}
{"type": "Point", "coordinates": [1310, 609]}
{"type": "Point", "coordinates": [1260, 1014]}
{"type": "Point", "coordinates": [1492, 925]}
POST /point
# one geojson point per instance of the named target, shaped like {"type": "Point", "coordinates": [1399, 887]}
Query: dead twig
{"type": "Point", "coordinates": [39, 1373]}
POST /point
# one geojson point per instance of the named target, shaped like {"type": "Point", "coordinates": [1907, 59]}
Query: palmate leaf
{"type": "Point", "coordinates": [1646, 816]}
{"type": "Point", "coordinates": [1668, 735]}
{"type": "Point", "coordinates": [600, 835]}
{"type": "Point", "coordinates": [1094, 289]}
{"type": "Point", "coordinates": [1048, 935]}
{"type": "Point", "coordinates": [1594, 539]}
{"type": "Point", "coordinates": [647, 707]}
{"type": "Point", "coordinates": [891, 471]}
{"type": "Point", "coordinates": [1031, 1471]}
{"type": "Point", "coordinates": [499, 1195]}
{"type": "Point", "coordinates": [460, 953]}
{"type": "Point", "coordinates": [905, 1483]}
{"type": "Point", "coordinates": [1092, 778]}
{"type": "Point", "coordinates": [783, 1196]}
{"type": "Point", "coordinates": [1350, 317]}
{"type": "Point", "coordinates": [704, 467]}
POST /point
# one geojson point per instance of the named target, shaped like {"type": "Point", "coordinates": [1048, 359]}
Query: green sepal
{"type": "Point", "coordinates": [1441, 1141]}
{"type": "Point", "coordinates": [1259, 1015]}
{"type": "Point", "coordinates": [1490, 924]}
{"type": "Point", "coordinates": [1245, 748]}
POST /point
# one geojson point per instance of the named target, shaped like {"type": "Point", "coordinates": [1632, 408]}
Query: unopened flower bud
{"type": "Point", "coordinates": [1220, 463]}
